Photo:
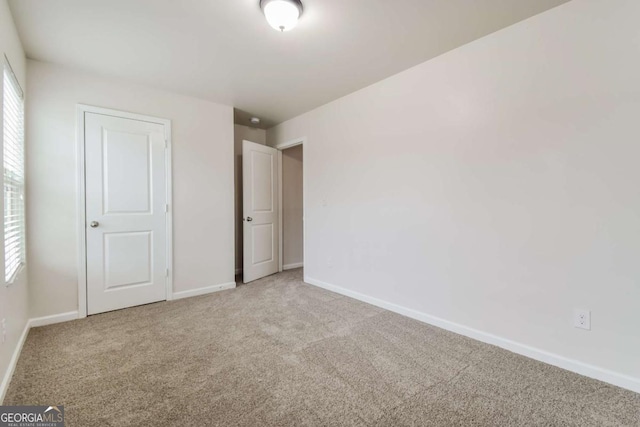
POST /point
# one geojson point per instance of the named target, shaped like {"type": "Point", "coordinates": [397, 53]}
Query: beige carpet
{"type": "Point", "coordinates": [279, 352]}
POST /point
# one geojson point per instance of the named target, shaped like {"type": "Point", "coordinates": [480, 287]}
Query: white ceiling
{"type": "Point", "coordinates": [224, 50]}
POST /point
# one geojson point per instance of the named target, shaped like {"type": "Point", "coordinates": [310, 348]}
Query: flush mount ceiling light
{"type": "Point", "coordinates": [282, 15]}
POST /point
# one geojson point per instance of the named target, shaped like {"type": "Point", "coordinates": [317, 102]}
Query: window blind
{"type": "Point", "coordinates": [13, 149]}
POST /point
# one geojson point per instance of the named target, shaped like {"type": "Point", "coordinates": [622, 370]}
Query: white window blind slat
{"type": "Point", "coordinates": [13, 151]}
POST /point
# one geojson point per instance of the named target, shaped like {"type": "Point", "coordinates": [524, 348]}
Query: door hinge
{"type": "Point", "coordinates": [166, 208]}
{"type": "Point", "coordinates": [167, 273]}
{"type": "Point", "coordinates": [166, 143]}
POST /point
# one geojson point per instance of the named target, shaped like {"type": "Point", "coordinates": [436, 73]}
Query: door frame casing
{"type": "Point", "coordinates": [281, 147]}
{"type": "Point", "coordinates": [81, 110]}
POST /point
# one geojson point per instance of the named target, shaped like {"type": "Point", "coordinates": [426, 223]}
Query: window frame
{"type": "Point", "coordinates": [17, 183]}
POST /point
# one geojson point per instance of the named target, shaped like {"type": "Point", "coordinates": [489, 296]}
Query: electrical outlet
{"type": "Point", "coordinates": [582, 319]}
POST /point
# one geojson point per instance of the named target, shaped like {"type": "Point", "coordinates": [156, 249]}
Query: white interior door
{"type": "Point", "coordinates": [126, 220]}
{"type": "Point", "coordinates": [260, 211]}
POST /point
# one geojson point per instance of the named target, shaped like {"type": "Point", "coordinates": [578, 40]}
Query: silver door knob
{"type": "Point", "coordinates": [94, 224]}
{"type": "Point", "coordinates": [249, 219]}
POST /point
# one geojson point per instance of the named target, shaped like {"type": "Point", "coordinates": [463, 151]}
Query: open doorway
{"type": "Point", "coordinates": [259, 136]}
{"type": "Point", "coordinates": [292, 207]}
{"type": "Point", "coordinates": [292, 186]}
{"type": "Point", "coordinates": [272, 208]}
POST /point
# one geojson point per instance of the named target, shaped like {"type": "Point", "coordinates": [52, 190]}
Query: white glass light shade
{"type": "Point", "coordinates": [282, 14]}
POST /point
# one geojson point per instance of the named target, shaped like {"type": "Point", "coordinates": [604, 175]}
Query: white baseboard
{"type": "Point", "coordinates": [292, 266]}
{"type": "Point", "coordinates": [6, 379]}
{"type": "Point", "coordinates": [203, 291]}
{"type": "Point", "coordinates": [615, 378]}
{"type": "Point", "coordinates": [51, 320]}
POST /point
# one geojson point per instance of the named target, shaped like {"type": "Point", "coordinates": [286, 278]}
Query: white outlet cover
{"type": "Point", "coordinates": [582, 319]}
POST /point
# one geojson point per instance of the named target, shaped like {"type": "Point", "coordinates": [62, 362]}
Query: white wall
{"type": "Point", "coordinates": [292, 228]}
{"type": "Point", "coordinates": [495, 186]}
{"type": "Point", "coordinates": [13, 299]}
{"type": "Point", "coordinates": [259, 136]}
{"type": "Point", "coordinates": [202, 181]}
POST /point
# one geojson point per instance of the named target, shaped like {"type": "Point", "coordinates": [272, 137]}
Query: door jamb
{"type": "Point", "coordinates": [281, 147]}
{"type": "Point", "coordinates": [81, 110]}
